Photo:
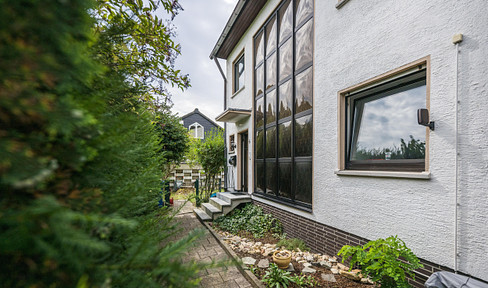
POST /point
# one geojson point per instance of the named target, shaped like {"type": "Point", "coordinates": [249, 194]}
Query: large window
{"type": "Point", "coordinates": [283, 118]}
{"type": "Point", "coordinates": [239, 74]}
{"type": "Point", "coordinates": [196, 130]}
{"type": "Point", "coordinates": [381, 129]}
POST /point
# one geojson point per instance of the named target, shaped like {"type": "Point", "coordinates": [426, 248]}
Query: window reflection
{"type": "Point", "coordinates": [270, 142]}
{"type": "Point", "coordinates": [304, 10]}
{"type": "Point", "coordinates": [285, 100]}
{"type": "Point", "coordinates": [385, 125]}
{"type": "Point", "coordinates": [284, 147]}
{"type": "Point", "coordinates": [260, 182]}
{"type": "Point", "coordinates": [303, 136]}
{"type": "Point", "coordinates": [271, 36]}
{"type": "Point", "coordinates": [284, 189]}
{"type": "Point", "coordinates": [271, 107]}
{"type": "Point", "coordinates": [260, 112]}
{"type": "Point", "coordinates": [259, 80]}
{"type": "Point", "coordinates": [303, 182]}
{"type": "Point", "coordinates": [286, 20]}
{"type": "Point", "coordinates": [260, 144]}
{"type": "Point", "coordinates": [271, 71]}
{"type": "Point", "coordinates": [286, 59]}
{"type": "Point", "coordinates": [304, 90]}
{"type": "Point", "coordinates": [259, 49]}
{"type": "Point", "coordinates": [271, 177]}
{"type": "Point", "coordinates": [304, 44]}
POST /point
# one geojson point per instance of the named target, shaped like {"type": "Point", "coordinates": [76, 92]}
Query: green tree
{"type": "Point", "coordinates": [210, 155]}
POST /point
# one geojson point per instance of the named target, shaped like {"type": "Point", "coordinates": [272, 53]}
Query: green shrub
{"type": "Point", "coordinates": [293, 244]}
{"type": "Point", "coordinates": [275, 277]}
{"type": "Point", "coordinates": [386, 261]}
{"type": "Point", "coordinates": [304, 281]}
{"type": "Point", "coordinates": [251, 218]}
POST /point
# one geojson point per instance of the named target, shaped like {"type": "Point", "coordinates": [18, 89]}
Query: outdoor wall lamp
{"type": "Point", "coordinates": [423, 118]}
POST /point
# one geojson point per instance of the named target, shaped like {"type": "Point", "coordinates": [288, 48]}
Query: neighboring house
{"type": "Point", "coordinates": [321, 104]}
{"type": "Point", "coordinates": [198, 125]}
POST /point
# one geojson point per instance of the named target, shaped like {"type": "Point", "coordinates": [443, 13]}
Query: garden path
{"type": "Point", "coordinates": [207, 249]}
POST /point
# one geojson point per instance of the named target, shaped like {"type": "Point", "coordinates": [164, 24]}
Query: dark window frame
{"type": "Point", "coordinates": [389, 85]}
{"type": "Point", "coordinates": [237, 85]}
{"type": "Point", "coordinates": [275, 161]}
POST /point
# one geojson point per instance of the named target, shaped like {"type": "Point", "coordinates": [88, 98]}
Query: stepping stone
{"type": "Point", "coordinates": [248, 260]}
{"type": "Point", "coordinates": [308, 270]}
{"type": "Point", "coordinates": [328, 277]}
{"type": "Point", "coordinates": [263, 263]}
{"type": "Point", "coordinates": [290, 268]}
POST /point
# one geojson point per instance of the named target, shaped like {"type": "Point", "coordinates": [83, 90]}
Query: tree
{"type": "Point", "coordinates": [80, 159]}
{"type": "Point", "coordinates": [210, 155]}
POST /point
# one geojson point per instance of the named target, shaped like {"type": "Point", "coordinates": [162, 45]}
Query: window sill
{"type": "Point", "coordinates": [303, 207]}
{"type": "Point", "coordinates": [385, 174]}
{"type": "Point", "coordinates": [237, 92]}
{"type": "Point", "coordinates": [341, 3]}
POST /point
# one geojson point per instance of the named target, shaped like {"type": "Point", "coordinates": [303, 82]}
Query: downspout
{"type": "Point", "coordinates": [458, 38]}
{"type": "Point", "coordinates": [225, 123]}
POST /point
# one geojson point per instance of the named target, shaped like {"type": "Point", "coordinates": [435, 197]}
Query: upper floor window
{"type": "Point", "coordinates": [381, 129]}
{"type": "Point", "coordinates": [283, 102]}
{"type": "Point", "coordinates": [239, 74]}
{"type": "Point", "coordinates": [196, 130]}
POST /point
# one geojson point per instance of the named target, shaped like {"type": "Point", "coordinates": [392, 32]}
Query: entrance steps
{"type": "Point", "coordinates": [221, 205]}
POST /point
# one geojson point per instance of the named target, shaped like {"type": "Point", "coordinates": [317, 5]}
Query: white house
{"type": "Point", "coordinates": [322, 102]}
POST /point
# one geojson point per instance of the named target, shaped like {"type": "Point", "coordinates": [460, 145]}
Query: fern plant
{"type": "Point", "coordinates": [275, 277]}
{"type": "Point", "coordinates": [386, 261]}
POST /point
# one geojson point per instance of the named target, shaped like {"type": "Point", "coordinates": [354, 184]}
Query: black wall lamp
{"type": "Point", "coordinates": [423, 118]}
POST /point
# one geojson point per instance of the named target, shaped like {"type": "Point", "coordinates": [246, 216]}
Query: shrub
{"type": "Point", "coordinates": [275, 277]}
{"type": "Point", "coordinates": [251, 218]}
{"type": "Point", "coordinates": [293, 244]}
{"type": "Point", "coordinates": [386, 261]}
{"type": "Point", "coordinates": [304, 281]}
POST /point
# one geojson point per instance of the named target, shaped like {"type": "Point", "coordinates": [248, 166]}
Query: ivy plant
{"type": "Point", "coordinates": [386, 261]}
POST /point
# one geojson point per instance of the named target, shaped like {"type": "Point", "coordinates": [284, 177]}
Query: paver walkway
{"type": "Point", "coordinates": [206, 250]}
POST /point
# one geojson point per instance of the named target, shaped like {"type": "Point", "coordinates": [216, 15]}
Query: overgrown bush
{"type": "Point", "coordinates": [250, 218]}
{"type": "Point", "coordinates": [293, 244]}
{"type": "Point", "coordinates": [386, 261]}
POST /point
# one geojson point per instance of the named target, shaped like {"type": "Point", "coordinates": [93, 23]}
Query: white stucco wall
{"type": "Point", "coordinates": [362, 40]}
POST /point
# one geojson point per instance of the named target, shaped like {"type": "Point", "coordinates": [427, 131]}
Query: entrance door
{"type": "Point", "coordinates": [244, 161]}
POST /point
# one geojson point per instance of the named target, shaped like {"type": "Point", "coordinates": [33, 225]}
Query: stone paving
{"type": "Point", "coordinates": [207, 249]}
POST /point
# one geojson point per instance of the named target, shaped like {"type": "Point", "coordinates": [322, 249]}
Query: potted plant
{"type": "Point", "coordinates": [282, 258]}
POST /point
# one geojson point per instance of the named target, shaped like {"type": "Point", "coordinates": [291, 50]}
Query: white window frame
{"type": "Point", "coordinates": [195, 127]}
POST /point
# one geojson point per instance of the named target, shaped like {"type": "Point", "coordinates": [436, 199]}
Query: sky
{"type": "Point", "coordinates": [198, 29]}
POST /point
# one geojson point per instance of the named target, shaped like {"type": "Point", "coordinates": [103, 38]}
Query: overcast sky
{"type": "Point", "coordinates": [199, 27]}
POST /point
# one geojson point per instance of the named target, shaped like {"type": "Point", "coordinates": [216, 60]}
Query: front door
{"type": "Point", "coordinates": [244, 162]}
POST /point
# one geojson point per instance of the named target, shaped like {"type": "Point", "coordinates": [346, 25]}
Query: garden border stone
{"type": "Point", "coordinates": [255, 282]}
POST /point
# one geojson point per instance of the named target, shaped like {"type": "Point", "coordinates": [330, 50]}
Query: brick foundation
{"type": "Point", "coordinates": [328, 240]}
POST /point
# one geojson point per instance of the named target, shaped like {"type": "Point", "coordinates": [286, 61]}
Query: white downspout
{"type": "Point", "coordinates": [458, 38]}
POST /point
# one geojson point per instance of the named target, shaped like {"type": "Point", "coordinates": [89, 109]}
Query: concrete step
{"type": "Point", "coordinates": [201, 214]}
{"type": "Point", "coordinates": [211, 210]}
{"type": "Point", "coordinates": [219, 203]}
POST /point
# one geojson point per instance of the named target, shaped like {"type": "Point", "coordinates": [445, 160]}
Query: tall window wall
{"type": "Point", "coordinates": [283, 91]}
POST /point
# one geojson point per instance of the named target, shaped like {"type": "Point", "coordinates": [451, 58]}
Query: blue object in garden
{"type": "Point", "coordinates": [213, 195]}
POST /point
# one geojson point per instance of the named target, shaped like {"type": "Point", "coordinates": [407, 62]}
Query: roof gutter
{"type": "Point", "coordinates": [237, 11]}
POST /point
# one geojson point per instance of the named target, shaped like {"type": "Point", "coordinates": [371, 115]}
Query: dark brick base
{"type": "Point", "coordinates": [329, 240]}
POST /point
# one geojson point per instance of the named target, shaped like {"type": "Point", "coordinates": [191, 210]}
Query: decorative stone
{"type": "Point", "coordinates": [332, 260]}
{"type": "Point", "coordinates": [248, 260]}
{"type": "Point", "coordinates": [367, 281]}
{"type": "Point", "coordinates": [334, 270]}
{"type": "Point", "coordinates": [328, 277]}
{"type": "Point", "coordinates": [308, 270]}
{"type": "Point", "coordinates": [309, 258]}
{"type": "Point", "coordinates": [325, 264]}
{"type": "Point", "coordinates": [306, 264]}
{"type": "Point", "coordinates": [290, 268]}
{"type": "Point", "coordinates": [353, 275]}
{"type": "Point", "coordinates": [263, 263]}
{"type": "Point", "coordinates": [342, 266]}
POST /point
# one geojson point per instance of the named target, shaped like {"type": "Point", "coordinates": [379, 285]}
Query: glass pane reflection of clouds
{"type": "Point", "coordinates": [387, 120]}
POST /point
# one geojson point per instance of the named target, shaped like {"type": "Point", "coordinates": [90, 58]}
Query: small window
{"type": "Point", "coordinates": [232, 143]}
{"type": "Point", "coordinates": [196, 130]}
{"type": "Point", "coordinates": [239, 74]}
{"type": "Point", "coordinates": [381, 129]}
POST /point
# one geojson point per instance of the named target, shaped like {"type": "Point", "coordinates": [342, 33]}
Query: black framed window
{"type": "Point", "coordinates": [239, 74]}
{"type": "Point", "coordinates": [283, 102]}
{"type": "Point", "coordinates": [382, 132]}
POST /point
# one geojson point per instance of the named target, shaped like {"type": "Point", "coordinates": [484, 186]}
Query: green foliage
{"type": "Point", "coordinates": [250, 218]}
{"type": "Point", "coordinates": [275, 277]}
{"type": "Point", "coordinates": [304, 281]}
{"type": "Point", "coordinates": [413, 149]}
{"type": "Point", "coordinates": [80, 159]}
{"type": "Point", "coordinates": [210, 154]}
{"type": "Point", "coordinates": [293, 244]}
{"type": "Point", "coordinates": [387, 261]}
